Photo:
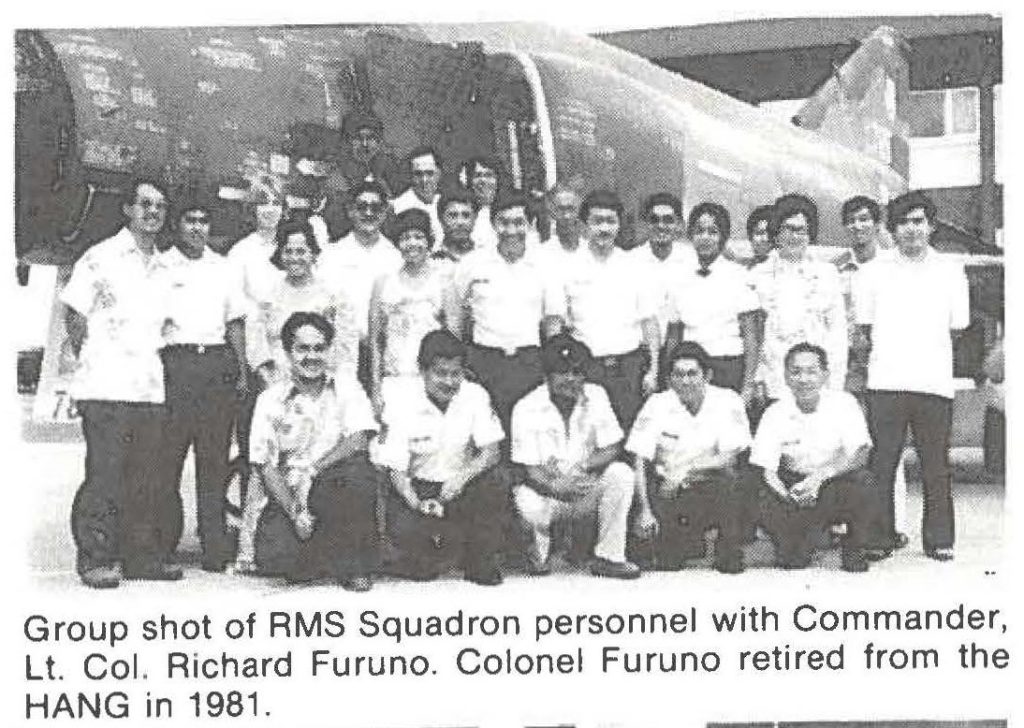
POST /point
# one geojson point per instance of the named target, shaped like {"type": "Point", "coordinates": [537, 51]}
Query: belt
{"type": "Point", "coordinates": [509, 352]}
{"type": "Point", "coordinates": [195, 348]}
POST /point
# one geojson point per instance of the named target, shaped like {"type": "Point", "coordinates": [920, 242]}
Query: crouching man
{"type": "Point", "coordinates": [688, 441]}
{"type": "Point", "coordinates": [309, 444]}
{"type": "Point", "coordinates": [813, 449]}
{"type": "Point", "coordinates": [440, 445]}
{"type": "Point", "coordinates": [567, 436]}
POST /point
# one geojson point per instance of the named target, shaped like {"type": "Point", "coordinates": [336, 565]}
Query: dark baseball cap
{"type": "Point", "coordinates": [562, 353]}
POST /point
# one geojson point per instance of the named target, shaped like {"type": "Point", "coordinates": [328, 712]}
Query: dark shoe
{"type": "Point", "coordinates": [853, 561]}
{"type": "Point", "coordinates": [538, 567]}
{"type": "Point", "coordinates": [362, 583]}
{"type": "Point", "coordinates": [730, 566]}
{"type": "Point", "coordinates": [154, 571]}
{"type": "Point", "coordinates": [214, 567]}
{"type": "Point", "coordinates": [484, 576]}
{"type": "Point", "coordinates": [614, 569]}
{"type": "Point", "coordinates": [900, 542]}
{"type": "Point", "coordinates": [102, 577]}
{"type": "Point", "coordinates": [877, 554]}
{"type": "Point", "coordinates": [940, 554]}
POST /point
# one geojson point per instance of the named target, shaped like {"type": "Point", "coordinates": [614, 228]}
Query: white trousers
{"type": "Point", "coordinates": [610, 495]}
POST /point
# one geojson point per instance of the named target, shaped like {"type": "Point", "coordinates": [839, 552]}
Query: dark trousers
{"type": "Point", "coordinates": [727, 371]}
{"type": "Point", "coordinates": [684, 518]}
{"type": "Point", "coordinates": [119, 511]}
{"type": "Point", "coordinates": [622, 377]}
{"type": "Point", "coordinates": [200, 408]}
{"type": "Point", "coordinates": [473, 527]}
{"type": "Point", "coordinates": [507, 378]}
{"type": "Point", "coordinates": [847, 499]}
{"type": "Point", "coordinates": [344, 541]}
{"type": "Point", "coordinates": [930, 419]}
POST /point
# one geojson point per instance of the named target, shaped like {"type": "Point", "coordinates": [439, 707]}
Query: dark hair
{"type": "Point", "coordinates": [719, 213]}
{"type": "Point", "coordinates": [305, 318]}
{"type": "Point", "coordinates": [422, 150]}
{"type": "Point", "coordinates": [439, 344]}
{"type": "Point", "coordinates": [508, 199]}
{"type": "Point", "coordinates": [412, 219]}
{"type": "Point", "coordinates": [191, 201]}
{"type": "Point", "coordinates": [688, 350]}
{"type": "Point", "coordinates": [372, 186]}
{"type": "Point", "coordinates": [901, 206]}
{"type": "Point", "coordinates": [560, 187]}
{"type": "Point", "coordinates": [805, 347]}
{"type": "Point", "coordinates": [860, 202]}
{"type": "Point", "coordinates": [662, 198]}
{"type": "Point", "coordinates": [761, 213]}
{"type": "Point", "coordinates": [131, 190]}
{"type": "Point", "coordinates": [794, 204]}
{"type": "Point", "coordinates": [482, 160]}
{"type": "Point", "coordinates": [287, 228]}
{"type": "Point", "coordinates": [604, 200]}
{"type": "Point", "coordinates": [361, 119]}
{"type": "Point", "coordinates": [456, 193]}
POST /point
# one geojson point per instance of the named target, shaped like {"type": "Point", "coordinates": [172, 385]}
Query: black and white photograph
{"type": "Point", "coordinates": [394, 307]}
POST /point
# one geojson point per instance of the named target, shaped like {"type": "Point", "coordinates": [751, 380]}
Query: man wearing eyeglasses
{"type": "Point", "coordinates": [203, 330]}
{"type": "Point", "coordinates": [113, 320]}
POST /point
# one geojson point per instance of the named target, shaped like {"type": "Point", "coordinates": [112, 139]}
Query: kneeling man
{"type": "Point", "coordinates": [688, 441]}
{"type": "Point", "coordinates": [566, 435]}
{"type": "Point", "coordinates": [309, 443]}
{"type": "Point", "coordinates": [813, 449]}
{"type": "Point", "coordinates": [441, 443]}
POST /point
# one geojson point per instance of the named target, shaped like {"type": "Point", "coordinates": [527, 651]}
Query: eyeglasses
{"type": "Point", "coordinates": [202, 219]}
{"type": "Point", "coordinates": [369, 207]}
{"type": "Point", "coordinates": [663, 219]}
{"type": "Point", "coordinates": [800, 230]}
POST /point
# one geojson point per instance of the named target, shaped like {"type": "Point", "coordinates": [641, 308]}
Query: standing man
{"type": "Point", "coordinates": [612, 309]}
{"type": "Point", "coordinates": [565, 434]}
{"type": "Point", "coordinates": [425, 170]}
{"type": "Point", "coordinates": [502, 303]}
{"type": "Point", "coordinates": [119, 516]}
{"type": "Point", "coordinates": [813, 453]}
{"type": "Point", "coordinates": [457, 210]}
{"type": "Point", "coordinates": [483, 176]}
{"type": "Point", "coordinates": [205, 369]}
{"type": "Point", "coordinates": [688, 442]}
{"type": "Point", "coordinates": [909, 307]}
{"type": "Point", "coordinates": [309, 443]}
{"type": "Point", "coordinates": [441, 447]}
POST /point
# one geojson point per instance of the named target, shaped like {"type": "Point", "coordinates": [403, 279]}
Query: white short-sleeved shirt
{"type": "Point", "coordinates": [114, 286]}
{"type": "Point", "coordinates": [350, 267]}
{"type": "Point", "coordinates": [807, 441]}
{"type": "Point", "coordinates": [249, 258]}
{"type": "Point", "coordinates": [606, 301]}
{"type": "Point", "coordinates": [506, 301]}
{"type": "Point", "coordinates": [667, 433]}
{"type": "Point", "coordinates": [293, 429]}
{"type": "Point", "coordinates": [540, 435]}
{"type": "Point", "coordinates": [426, 443]}
{"type": "Point", "coordinates": [665, 275]}
{"type": "Point", "coordinates": [198, 297]}
{"type": "Point", "coordinates": [709, 307]}
{"type": "Point", "coordinates": [409, 200]}
{"type": "Point", "coordinates": [410, 312]}
{"type": "Point", "coordinates": [483, 230]}
{"type": "Point", "coordinates": [911, 307]}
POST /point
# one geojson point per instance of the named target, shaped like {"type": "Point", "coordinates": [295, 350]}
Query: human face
{"type": "Point", "coordinates": [367, 212]}
{"type": "Point", "coordinates": [664, 224]}
{"type": "Point", "coordinates": [194, 232]}
{"type": "Point", "coordinates": [268, 215]}
{"type": "Point", "coordinates": [565, 211]}
{"type": "Point", "coordinates": [308, 355]}
{"type": "Point", "coordinates": [566, 385]}
{"type": "Point", "coordinates": [485, 184]}
{"type": "Point", "coordinates": [296, 257]}
{"type": "Point", "coordinates": [862, 228]}
{"type": "Point", "coordinates": [706, 237]}
{"type": "Point", "coordinates": [688, 380]}
{"type": "Point", "coordinates": [602, 227]}
{"type": "Point", "coordinates": [794, 236]}
{"type": "Point", "coordinates": [511, 225]}
{"type": "Point", "coordinates": [425, 175]}
{"type": "Point", "coordinates": [365, 144]}
{"type": "Point", "coordinates": [148, 210]}
{"type": "Point", "coordinates": [759, 240]}
{"type": "Point", "coordinates": [914, 233]}
{"type": "Point", "coordinates": [442, 379]}
{"type": "Point", "coordinates": [805, 377]}
{"type": "Point", "coordinates": [458, 220]}
{"type": "Point", "coordinates": [414, 247]}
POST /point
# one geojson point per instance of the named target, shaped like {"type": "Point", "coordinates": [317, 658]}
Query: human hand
{"type": "Point", "coordinates": [645, 527]}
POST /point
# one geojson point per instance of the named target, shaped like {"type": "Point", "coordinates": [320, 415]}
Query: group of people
{"type": "Point", "coordinates": [457, 391]}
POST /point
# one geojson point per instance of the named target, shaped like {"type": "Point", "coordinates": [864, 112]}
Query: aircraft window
{"type": "Point", "coordinates": [926, 114]}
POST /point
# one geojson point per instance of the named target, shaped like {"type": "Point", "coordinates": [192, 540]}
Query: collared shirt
{"type": "Point", "coordinates": [409, 200]}
{"type": "Point", "coordinates": [292, 429]}
{"type": "Point", "coordinates": [676, 440]}
{"type": "Point", "coordinates": [805, 441]}
{"type": "Point", "coordinates": [709, 306]}
{"type": "Point", "coordinates": [606, 301]}
{"type": "Point", "coordinates": [507, 301]}
{"type": "Point", "coordinates": [911, 306]}
{"type": "Point", "coordinates": [421, 440]}
{"type": "Point", "coordinates": [665, 276]}
{"type": "Point", "coordinates": [849, 270]}
{"type": "Point", "coordinates": [410, 312]}
{"type": "Point", "coordinates": [113, 285]}
{"type": "Point", "coordinates": [801, 301]}
{"type": "Point", "coordinates": [540, 435]}
{"type": "Point", "coordinates": [249, 258]}
{"type": "Point", "coordinates": [352, 267]}
{"type": "Point", "coordinates": [483, 230]}
{"type": "Point", "coordinates": [198, 297]}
